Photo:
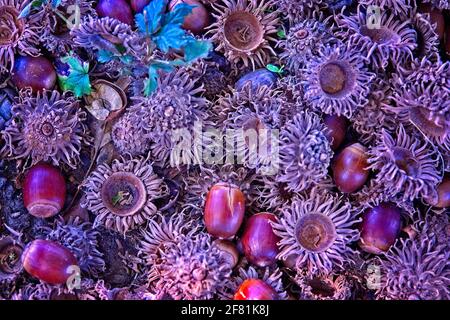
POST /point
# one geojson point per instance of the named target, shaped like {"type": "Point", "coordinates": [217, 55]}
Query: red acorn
{"type": "Point", "coordinates": [44, 190]}
{"type": "Point", "coordinates": [49, 261]}
{"type": "Point", "coordinates": [117, 9]}
{"type": "Point", "coordinates": [258, 240]}
{"type": "Point", "coordinates": [349, 168]}
{"type": "Point", "coordinates": [255, 289]}
{"type": "Point", "coordinates": [380, 228]}
{"type": "Point", "coordinates": [443, 195]}
{"type": "Point", "coordinates": [337, 126]}
{"type": "Point", "coordinates": [36, 73]}
{"type": "Point", "coordinates": [224, 210]}
{"type": "Point", "coordinates": [197, 20]}
{"type": "Point", "coordinates": [139, 5]}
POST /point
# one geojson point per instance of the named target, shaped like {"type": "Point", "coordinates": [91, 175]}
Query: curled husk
{"type": "Point", "coordinates": [272, 277]}
{"type": "Point", "coordinates": [404, 165]}
{"type": "Point", "coordinates": [191, 269]}
{"type": "Point", "coordinates": [337, 81]}
{"type": "Point", "coordinates": [305, 152]}
{"type": "Point", "coordinates": [434, 225]}
{"type": "Point", "coordinates": [415, 270]}
{"type": "Point", "coordinates": [322, 286]}
{"type": "Point", "coordinates": [368, 120]}
{"type": "Point", "coordinates": [427, 38]}
{"type": "Point", "coordinates": [46, 127]}
{"type": "Point", "coordinates": [172, 113]}
{"type": "Point", "coordinates": [394, 41]}
{"type": "Point", "coordinates": [122, 194]}
{"type": "Point", "coordinates": [297, 10]}
{"type": "Point", "coordinates": [82, 240]}
{"type": "Point", "coordinates": [129, 136]}
{"type": "Point", "coordinates": [316, 231]}
{"type": "Point", "coordinates": [17, 35]}
{"type": "Point", "coordinates": [44, 291]}
{"type": "Point", "coordinates": [244, 31]}
{"type": "Point", "coordinates": [304, 40]}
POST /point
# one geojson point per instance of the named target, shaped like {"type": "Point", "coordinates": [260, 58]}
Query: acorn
{"type": "Point", "coordinates": [36, 73]}
{"type": "Point", "coordinates": [380, 227]}
{"type": "Point", "coordinates": [49, 261]}
{"type": "Point", "coordinates": [117, 9]}
{"type": "Point", "coordinates": [44, 190]}
{"type": "Point", "coordinates": [255, 289]}
{"type": "Point", "coordinates": [229, 252]}
{"type": "Point", "coordinates": [224, 210]}
{"type": "Point", "coordinates": [337, 126]}
{"type": "Point", "coordinates": [139, 5]}
{"type": "Point", "coordinates": [197, 20]}
{"type": "Point", "coordinates": [259, 241]}
{"type": "Point", "coordinates": [443, 195]}
{"type": "Point", "coordinates": [257, 78]}
{"type": "Point", "coordinates": [350, 168]}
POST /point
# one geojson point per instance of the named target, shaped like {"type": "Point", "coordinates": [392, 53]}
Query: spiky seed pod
{"type": "Point", "coordinates": [106, 34]}
{"type": "Point", "coordinates": [368, 120]}
{"type": "Point", "coordinates": [405, 165]}
{"type": "Point", "coordinates": [122, 195]}
{"type": "Point", "coordinates": [46, 127]}
{"type": "Point", "coordinates": [170, 114]}
{"type": "Point", "coordinates": [10, 263]}
{"type": "Point", "coordinates": [272, 277]}
{"type": "Point", "coordinates": [6, 102]}
{"type": "Point", "coordinates": [250, 117]}
{"type": "Point", "coordinates": [415, 270]}
{"type": "Point", "coordinates": [305, 152]}
{"type": "Point", "coordinates": [304, 40]}
{"type": "Point", "coordinates": [18, 35]}
{"type": "Point", "coordinates": [81, 239]}
{"type": "Point", "coordinates": [434, 225]}
{"type": "Point", "coordinates": [337, 81]}
{"type": "Point", "coordinates": [211, 76]}
{"type": "Point", "coordinates": [192, 269]}
{"type": "Point", "coordinates": [427, 38]}
{"type": "Point", "coordinates": [56, 37]}
{"type": "Point", "coordinates": [399, 7]}
{"type": "Point", "coordinates": [160, 234]}
{"type": "Point", "coordinates": [244, 31]}
{"type": "Point", "coordinates": [393, 41]}
{"type": "Point", "coordinates": [293, 93]}
{"type": "Point", "coordinates": [322, 286]}
{"type": "Point", "coordinates": [199, 181]}
{"type": "Point", "coordinates": [129, 137]}
{"type": "Point", "coordinates": [297, 10]}
{"type": "Point", "coordinates": [439, 4]}
{"type": "Point", "coordinates": [317, 232]}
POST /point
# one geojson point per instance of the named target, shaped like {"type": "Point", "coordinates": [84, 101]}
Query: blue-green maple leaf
{"type": "Point", "coordinates": [196, 49]}
{"type": "Point", "coordinates": [149, 20]}
{"type": "Point", "coordinates": [178, 14]}
{"type": "Point", "coordinates": [78, 79]}
{"type": "Point", "coordinates": [170, 36]}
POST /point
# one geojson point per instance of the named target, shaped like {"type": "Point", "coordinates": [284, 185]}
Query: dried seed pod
{"type": "Point", "coordinates": [10, 259]}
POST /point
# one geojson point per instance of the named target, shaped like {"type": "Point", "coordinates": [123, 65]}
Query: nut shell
{"type": "Point", "coordinates": [349, 168]}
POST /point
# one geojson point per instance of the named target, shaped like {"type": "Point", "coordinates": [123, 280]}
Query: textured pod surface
{"type": "Point", "coordinates": [49, 261]}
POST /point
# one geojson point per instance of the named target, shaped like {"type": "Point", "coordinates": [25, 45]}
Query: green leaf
{"type": "Point", "coordinates": [162, 65]}
{"type": "Point", "coordinates": [117, 198]}
{"type": "Point", "coordinates": [178, 14]}
{"type": "Point", "coordinates": [151, 83]}
{"type": "Point", "coordinates": [127, 59]}
{"type": "Point", "coordinates": [274, 68]}
{"type": "Point", "coordinates": [170, 36]}
{"type": "Point", "coordinates": [78, 79]}
{"type": "Point", "coordinates": [27, 9]}
{"type": "Point", "coordinates": [149, 20]}
{"type": "Point", "coordinates": [281, 34]}
{"type": "Point", "coordinates": [196, 49]}
{"type": "Point", "coordinates": [56, 3]}
{"type": "Point", "coordinates": [104, 56]}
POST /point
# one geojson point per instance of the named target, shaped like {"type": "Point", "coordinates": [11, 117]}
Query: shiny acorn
{"type": "Point", "coordinates": [44, 190]}
{"type": "Point", "coordinates": [197, 20]}
{"type": "Point", "coordinates": [350, 168]}
{"type": "Point", "coordinates": [259, 241]}
{"type": "Point", "coordinates": [117, 9]}
{"type": "Point", "coordinates": [337, 126]}
{"type": "Point", "coordinates": [49, 261]}
{"type": "Point", "coordinates": [138, 5]}
{"type": "Point", "coordinates": [224, 210]}
{"type": "Point", "coordinates": [255, 289]}
{"type": "Point", "coordinates": [380, 228]}
{"type": "Point", "coordinates": [442, 200]}
{"type": "Point", "coordinates": [36, 73]}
